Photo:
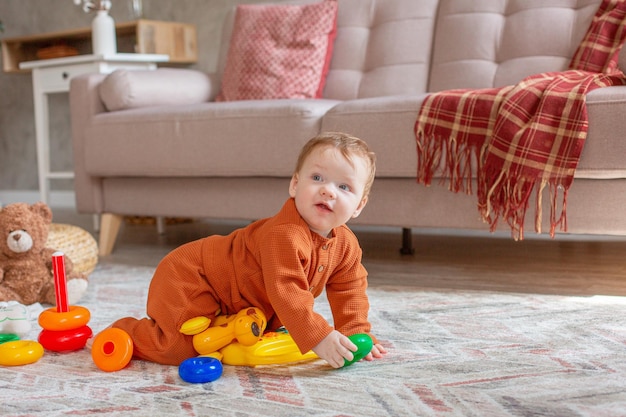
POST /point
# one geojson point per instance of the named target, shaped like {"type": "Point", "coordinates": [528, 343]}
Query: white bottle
{"type": "Point", "coordinates": [103, 37]}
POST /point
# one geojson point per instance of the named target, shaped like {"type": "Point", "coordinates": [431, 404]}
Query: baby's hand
{"type": "Point", "coordinates": [334, 348]}
{"type": "Point", "coordinates": [377, 352]}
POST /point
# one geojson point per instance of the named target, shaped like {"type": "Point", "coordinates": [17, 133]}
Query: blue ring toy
{"type": "Point", "coordinates": [200, 369]}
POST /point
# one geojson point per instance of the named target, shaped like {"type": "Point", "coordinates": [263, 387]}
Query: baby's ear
{"type": "Point", "coordinates": [293, 184]}
{"type": "Point", "coordinates": [359, 208]}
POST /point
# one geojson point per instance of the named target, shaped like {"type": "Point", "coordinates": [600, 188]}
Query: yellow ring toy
{"type": "Point", "coordinates": [51, 319]}
{"type": "Point", "coordinates": [195, 325]}
{"type": "Point", "coordinates": [20, 352]}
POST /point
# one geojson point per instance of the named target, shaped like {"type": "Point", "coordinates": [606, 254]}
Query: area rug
{"type": "Point", "coordinates": [451, 353]}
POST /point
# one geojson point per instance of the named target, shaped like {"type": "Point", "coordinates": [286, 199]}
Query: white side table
{"type": "Point", "coordinates": [53, 76]}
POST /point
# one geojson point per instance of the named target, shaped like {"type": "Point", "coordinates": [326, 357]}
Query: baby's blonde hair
{"type": "Point", "coordinates": [348, 146]}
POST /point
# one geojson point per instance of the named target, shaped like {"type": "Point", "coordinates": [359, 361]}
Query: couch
{"type": "Point", "coordinates": [186, 155]}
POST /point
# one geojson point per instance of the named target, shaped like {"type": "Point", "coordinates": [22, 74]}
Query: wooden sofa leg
{"type": "Point", "coordinates": [109, 227]}
{"type": "Point", "coordinates": [407, 242]}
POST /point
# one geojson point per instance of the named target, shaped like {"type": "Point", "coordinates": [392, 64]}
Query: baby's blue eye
{"type": "Point", "coordinates": [345, 187]}
{"type": "Point", "coordinates": [317, 177]}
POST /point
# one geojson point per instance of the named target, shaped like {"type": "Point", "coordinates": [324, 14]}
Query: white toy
{"type": "Point", "coordinates": [14, 318]}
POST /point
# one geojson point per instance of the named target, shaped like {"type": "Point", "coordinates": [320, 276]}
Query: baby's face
{"type": "Point", "coordinates": [328, 190]}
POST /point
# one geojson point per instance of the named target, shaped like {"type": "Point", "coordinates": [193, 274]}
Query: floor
{"type": "Point", "coordinates": [568, 265]}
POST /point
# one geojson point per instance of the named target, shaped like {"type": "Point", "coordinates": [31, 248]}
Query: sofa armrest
{"type": "Point", "coordinates": [127, 89]}
{"type": "Point", "coordinates": [85, 104]}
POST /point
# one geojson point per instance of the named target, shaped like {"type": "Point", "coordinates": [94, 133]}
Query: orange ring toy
{"type": "Point", "coordinates": [20, 352]}
{"type": "Point", "coordinates": [51, 319]}
{"type": "Point", "coordinates": [112, 349]}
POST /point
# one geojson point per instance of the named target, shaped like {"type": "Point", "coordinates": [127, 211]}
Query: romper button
{"type": "Point", "coordinates": [325, 247]}
{"type": "Point", "coordinates": [321, 268]}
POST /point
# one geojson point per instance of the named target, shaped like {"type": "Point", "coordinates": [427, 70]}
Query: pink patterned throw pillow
{"type": "Point", "coordinates": [279, 51]}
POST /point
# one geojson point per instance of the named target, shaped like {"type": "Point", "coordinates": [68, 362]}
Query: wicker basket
{"type": "Point", "coordinates": [77, 244]}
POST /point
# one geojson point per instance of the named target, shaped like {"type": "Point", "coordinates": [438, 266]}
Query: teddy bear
{"type": "Point", "coordinates": [26, 263]}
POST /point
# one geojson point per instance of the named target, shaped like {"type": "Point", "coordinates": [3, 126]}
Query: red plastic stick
{"type": "Point", "coordinates": [60, 282]}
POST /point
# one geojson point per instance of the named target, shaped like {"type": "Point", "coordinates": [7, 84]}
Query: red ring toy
{"type": "Point", "coordinates": [65, 340]}
{"type": "Point", "coordinates": [112, 349]}
{"type": "Point", "coordinates": [51, 319]}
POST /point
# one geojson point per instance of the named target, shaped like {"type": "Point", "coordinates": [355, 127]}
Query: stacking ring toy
{"type": "Point", "coordinates": [200, 369]}
{"type": "Point", "coordinates": [20, 352]}
{"type": "Point", "coordinates": [112, 349]}
{"type": "Point", "coordinates": [65, 340]}
{"type": "Point", "coordinates": [364, 346]}
{"type": "Point", "coordinates": [51, 319]}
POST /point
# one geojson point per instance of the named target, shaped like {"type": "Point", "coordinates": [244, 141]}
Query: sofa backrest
{"type": "Point", "coordinates": [402, 47]}
{"type": "Point", "coordinates": [489, 43]}
{"type": "Point", "coordinates": [382, 47]}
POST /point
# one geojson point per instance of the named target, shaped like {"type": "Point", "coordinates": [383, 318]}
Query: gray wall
{"type": "Point", "coordinates": [18, 161]}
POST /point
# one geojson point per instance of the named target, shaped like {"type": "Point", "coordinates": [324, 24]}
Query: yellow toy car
{"type": "Point", "coordinates": [272, 348]}
{"type": "Point", "coordinates": [238, 339]}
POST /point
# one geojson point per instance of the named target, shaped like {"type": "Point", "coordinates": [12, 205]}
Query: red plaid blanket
{"type": "Point", "coordinates": [522, 138]}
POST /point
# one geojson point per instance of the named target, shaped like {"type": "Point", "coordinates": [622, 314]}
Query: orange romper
{"type": "Point", "coordinates": [276, 264]}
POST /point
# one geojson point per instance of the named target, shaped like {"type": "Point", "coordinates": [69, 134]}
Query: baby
{"type": "Point", "coordinates": [278, 264]}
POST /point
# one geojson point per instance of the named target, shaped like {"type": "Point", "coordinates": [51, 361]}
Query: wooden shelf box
{"type": "Point", "coordinates": [178, 40]}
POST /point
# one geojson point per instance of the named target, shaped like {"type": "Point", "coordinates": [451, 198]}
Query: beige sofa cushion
{"type": "Point", "coordinates": [232, 138]}
{"type": "Point", "coordinates": [386, 124]}
{"type": "Point", "coordinates": [124, 89]}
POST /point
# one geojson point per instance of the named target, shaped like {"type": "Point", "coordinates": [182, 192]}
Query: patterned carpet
{"type": "Point", "coordinates": [450, 354]}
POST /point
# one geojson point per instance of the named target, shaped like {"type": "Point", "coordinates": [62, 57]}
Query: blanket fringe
{"type": "Point", "coordinates": [448, 159]}
{"type": "Point", "coordinates": [501, 194]}
{"type": "Point", "coordinates": [509, 197]}
{"type": "Point", "coordinates": [429, 154]}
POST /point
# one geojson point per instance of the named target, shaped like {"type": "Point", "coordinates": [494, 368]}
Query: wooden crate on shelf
{"type": "Point", "coordinates": [168, 38]}
{"type": "Point", "coordinates": [178, 40]}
